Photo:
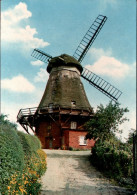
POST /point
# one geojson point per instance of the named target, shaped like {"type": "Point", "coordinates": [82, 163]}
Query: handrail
{"type": "Point", "coordinates": [39, 110]}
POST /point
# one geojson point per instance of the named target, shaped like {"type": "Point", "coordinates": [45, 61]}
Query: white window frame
{"type": "Point", "coordinates": [82, 141]}
{"type": "Point", "coordinates": [73, 125]}
{"type": "Point", "coordinates": [73, 103]}
{"type": "Point", "coordinates": [50, 107]}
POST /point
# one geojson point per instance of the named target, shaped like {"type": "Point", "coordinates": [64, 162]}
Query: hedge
{"type": "Point", "coordinates": [116, 163]}
{"type": "Point", "coordinates": [22, 162]}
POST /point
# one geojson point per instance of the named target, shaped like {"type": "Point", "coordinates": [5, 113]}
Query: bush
{"type": "Point", "coordinates": [114, 162]}
{"type": "Point", "coordinates": [22, 162]}
{"type": "Point", "coordinates": [30, 143]}
{"type": "Point", "coordinates": [11, 156]}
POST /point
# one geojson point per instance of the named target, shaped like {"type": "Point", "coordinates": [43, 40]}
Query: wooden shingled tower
{"type": "Point", "coordinates": [64, 108]}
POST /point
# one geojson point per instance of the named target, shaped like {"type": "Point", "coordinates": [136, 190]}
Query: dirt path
{"type": "Point", "coordinates": [70, 173]}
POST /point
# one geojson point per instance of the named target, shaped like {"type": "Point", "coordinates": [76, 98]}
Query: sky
{"type": "Point", "coordinates": [57, 27]}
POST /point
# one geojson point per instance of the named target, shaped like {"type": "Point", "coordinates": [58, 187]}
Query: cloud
{"type": "Point", "coordinates": [14, 30]}
{"type": "Point", "coordinates": [17, 84]}
{"type": "Point", "coordinates": [97, 53]}
{"type": "Point", "coordinates": [37, 63]}
{"type": "Point", "coordinates": [109, 66]}
{"type": "Point", "coordinates": [133, 70]}
{"type": "Point", "coordinates": [42, 76]}
{"type": "Point", "coordinates": [128, 125]}
{"type": "Point", "coordinates": [105, 64]}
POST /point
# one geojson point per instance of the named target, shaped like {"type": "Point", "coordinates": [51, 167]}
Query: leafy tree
{"type": "Point", "coordinates": [4, 122]}
{"type": "Point", "coordinates": [130, 136]}
{"type": "Point", "coordinates": [106, 121]}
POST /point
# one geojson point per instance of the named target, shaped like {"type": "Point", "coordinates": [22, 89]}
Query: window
{"type": "Point", "coordinates": [50, 108]}
{"type": "Point", "coordinates": [73, 103]}
{"type": "Point", "coordinates": [73, 125]}
{"type": "Point", "coordinates": [82, 140]}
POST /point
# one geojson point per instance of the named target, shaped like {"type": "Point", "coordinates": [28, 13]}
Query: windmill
{"type": "Point", "coordinates": [64, 108]}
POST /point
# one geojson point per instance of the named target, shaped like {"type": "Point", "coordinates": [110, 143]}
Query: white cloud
{"type": "Point", "coordinates": [110, 66]}
{"type": "Point", "coordinates": [17, 84]}
{"type": "Point", "coordinates": [37, 63]}
{"type": "Point", "coordinates": [133, 70]}
{"type": "Point", "coordinates": [14, 31]}
{"type": "Point", "coordinates": [97, 53]}
{"type": "Point", "coordinates": [15, 15]}
{"type": "Point", "coordinates": [42, 76]}
{"type": "Point", "coordinates": [128, 125]}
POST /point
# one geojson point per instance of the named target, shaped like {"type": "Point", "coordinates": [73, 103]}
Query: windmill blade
{"type": "Point", "coordinates": [40, 55]}
{"type": "Point", "coordinates": [89, 38]}
{"type": "Point", "coordinates": [101, 84]}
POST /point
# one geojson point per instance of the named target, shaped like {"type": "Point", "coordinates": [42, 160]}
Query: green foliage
{"type": "Point", "coordinates": [109, 154]}
{"type": "Point", "coordinates": [11, 155]}
{"type": "Point", "coordinates": [30, 143]}
{"type": "Point", "coordinates": [130, 137]}
{"type": "Point", "coordinates": [105, 121]}
{"type": "Point", "coordinates": [5, 123]}
{"type": "Point", "coordinates": [22, 161]}
{"type": "Point", "coordinates": [113, 159]}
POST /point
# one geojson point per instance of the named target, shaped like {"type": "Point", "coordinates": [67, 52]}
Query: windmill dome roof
{"type": "Point", "coordinates": [64, 60]}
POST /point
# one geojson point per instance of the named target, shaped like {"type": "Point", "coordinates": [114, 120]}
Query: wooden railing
{"type": "Point", "coordinates": [48, 109]}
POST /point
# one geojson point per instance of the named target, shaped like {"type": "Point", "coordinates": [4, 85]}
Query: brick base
{"type": "Point", "coordinates": [72, 139]}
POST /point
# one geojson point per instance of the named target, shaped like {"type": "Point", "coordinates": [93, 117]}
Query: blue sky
{"type": "Point", "coordinates": [57, 27]}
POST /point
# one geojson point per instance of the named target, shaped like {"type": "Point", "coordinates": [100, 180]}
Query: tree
{"type": "Point", "coordinates": [106, 121]}
{"type": "Point", "coordinates": [4, 122]}
{"type": "Point", "coordinates": [130, 136]}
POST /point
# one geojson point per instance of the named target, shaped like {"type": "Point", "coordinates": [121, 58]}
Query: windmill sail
{"type": "Point", "coordinates": [89, 38]}
{"type": "Point", "coordinates": [40, 55]}
{"type": "Point", "coordinates": [101, 84]}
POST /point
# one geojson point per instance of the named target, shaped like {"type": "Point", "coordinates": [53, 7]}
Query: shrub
{"type": "Point", "coordinates": [114, 162]}
{"type": "Point", "coordinates": [11, 156]}
{"type": "Point", "coordinates": [30, 143]}
{"type": "Point", "coordinates": [22, 162]}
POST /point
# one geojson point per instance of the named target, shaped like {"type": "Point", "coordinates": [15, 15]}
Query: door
{"type": "Point", "coordinates": [48, 143]}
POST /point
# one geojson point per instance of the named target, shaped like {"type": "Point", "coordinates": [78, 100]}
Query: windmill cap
{"type": "Point", "coordinates": [64, 60]}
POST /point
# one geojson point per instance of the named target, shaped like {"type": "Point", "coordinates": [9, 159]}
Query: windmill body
{"type": "Point", "coordinates": [64, 108]}
{"type": "Point", "coordinates": [61, 125]}
{"type": "Point", "coordinates": [64, 86]}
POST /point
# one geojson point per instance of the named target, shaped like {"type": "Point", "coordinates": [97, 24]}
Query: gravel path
{"type": "Point", "coordinates": [70, 173]}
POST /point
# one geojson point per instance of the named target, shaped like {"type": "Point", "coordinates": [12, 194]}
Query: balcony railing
{"type": "Point", "coordinates": [27, 112]}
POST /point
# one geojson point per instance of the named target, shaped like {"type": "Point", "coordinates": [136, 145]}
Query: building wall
{"type": "Point", "coordinates": [74, 140]}
{"type": "Point", "coordinates": [66, 139]}
{"type": "Point", "coordinates": [52, 137]}
{"type": "Point", "coordinates": [64, 87]}
{"type": "Point", "coordinates": [49, 134]}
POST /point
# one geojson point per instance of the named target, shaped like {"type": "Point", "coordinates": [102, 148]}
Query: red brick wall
{"type": "Point", "coordinates": [41, 132]}
{"type": "Point", "coordinates": [50, 135]}
{"type": "Point", "coordinates": [74, 140]}
{"type": "Point", "coordinates": [66, 138]}
{"type": "Point", "coordinates": [44, 131]}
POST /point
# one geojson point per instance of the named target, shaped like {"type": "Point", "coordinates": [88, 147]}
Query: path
{"type": "Point", "coordinates": [70, 173]}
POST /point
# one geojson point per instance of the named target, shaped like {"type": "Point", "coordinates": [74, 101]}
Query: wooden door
{"type": "Point", "coordinates": [48, 143]}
